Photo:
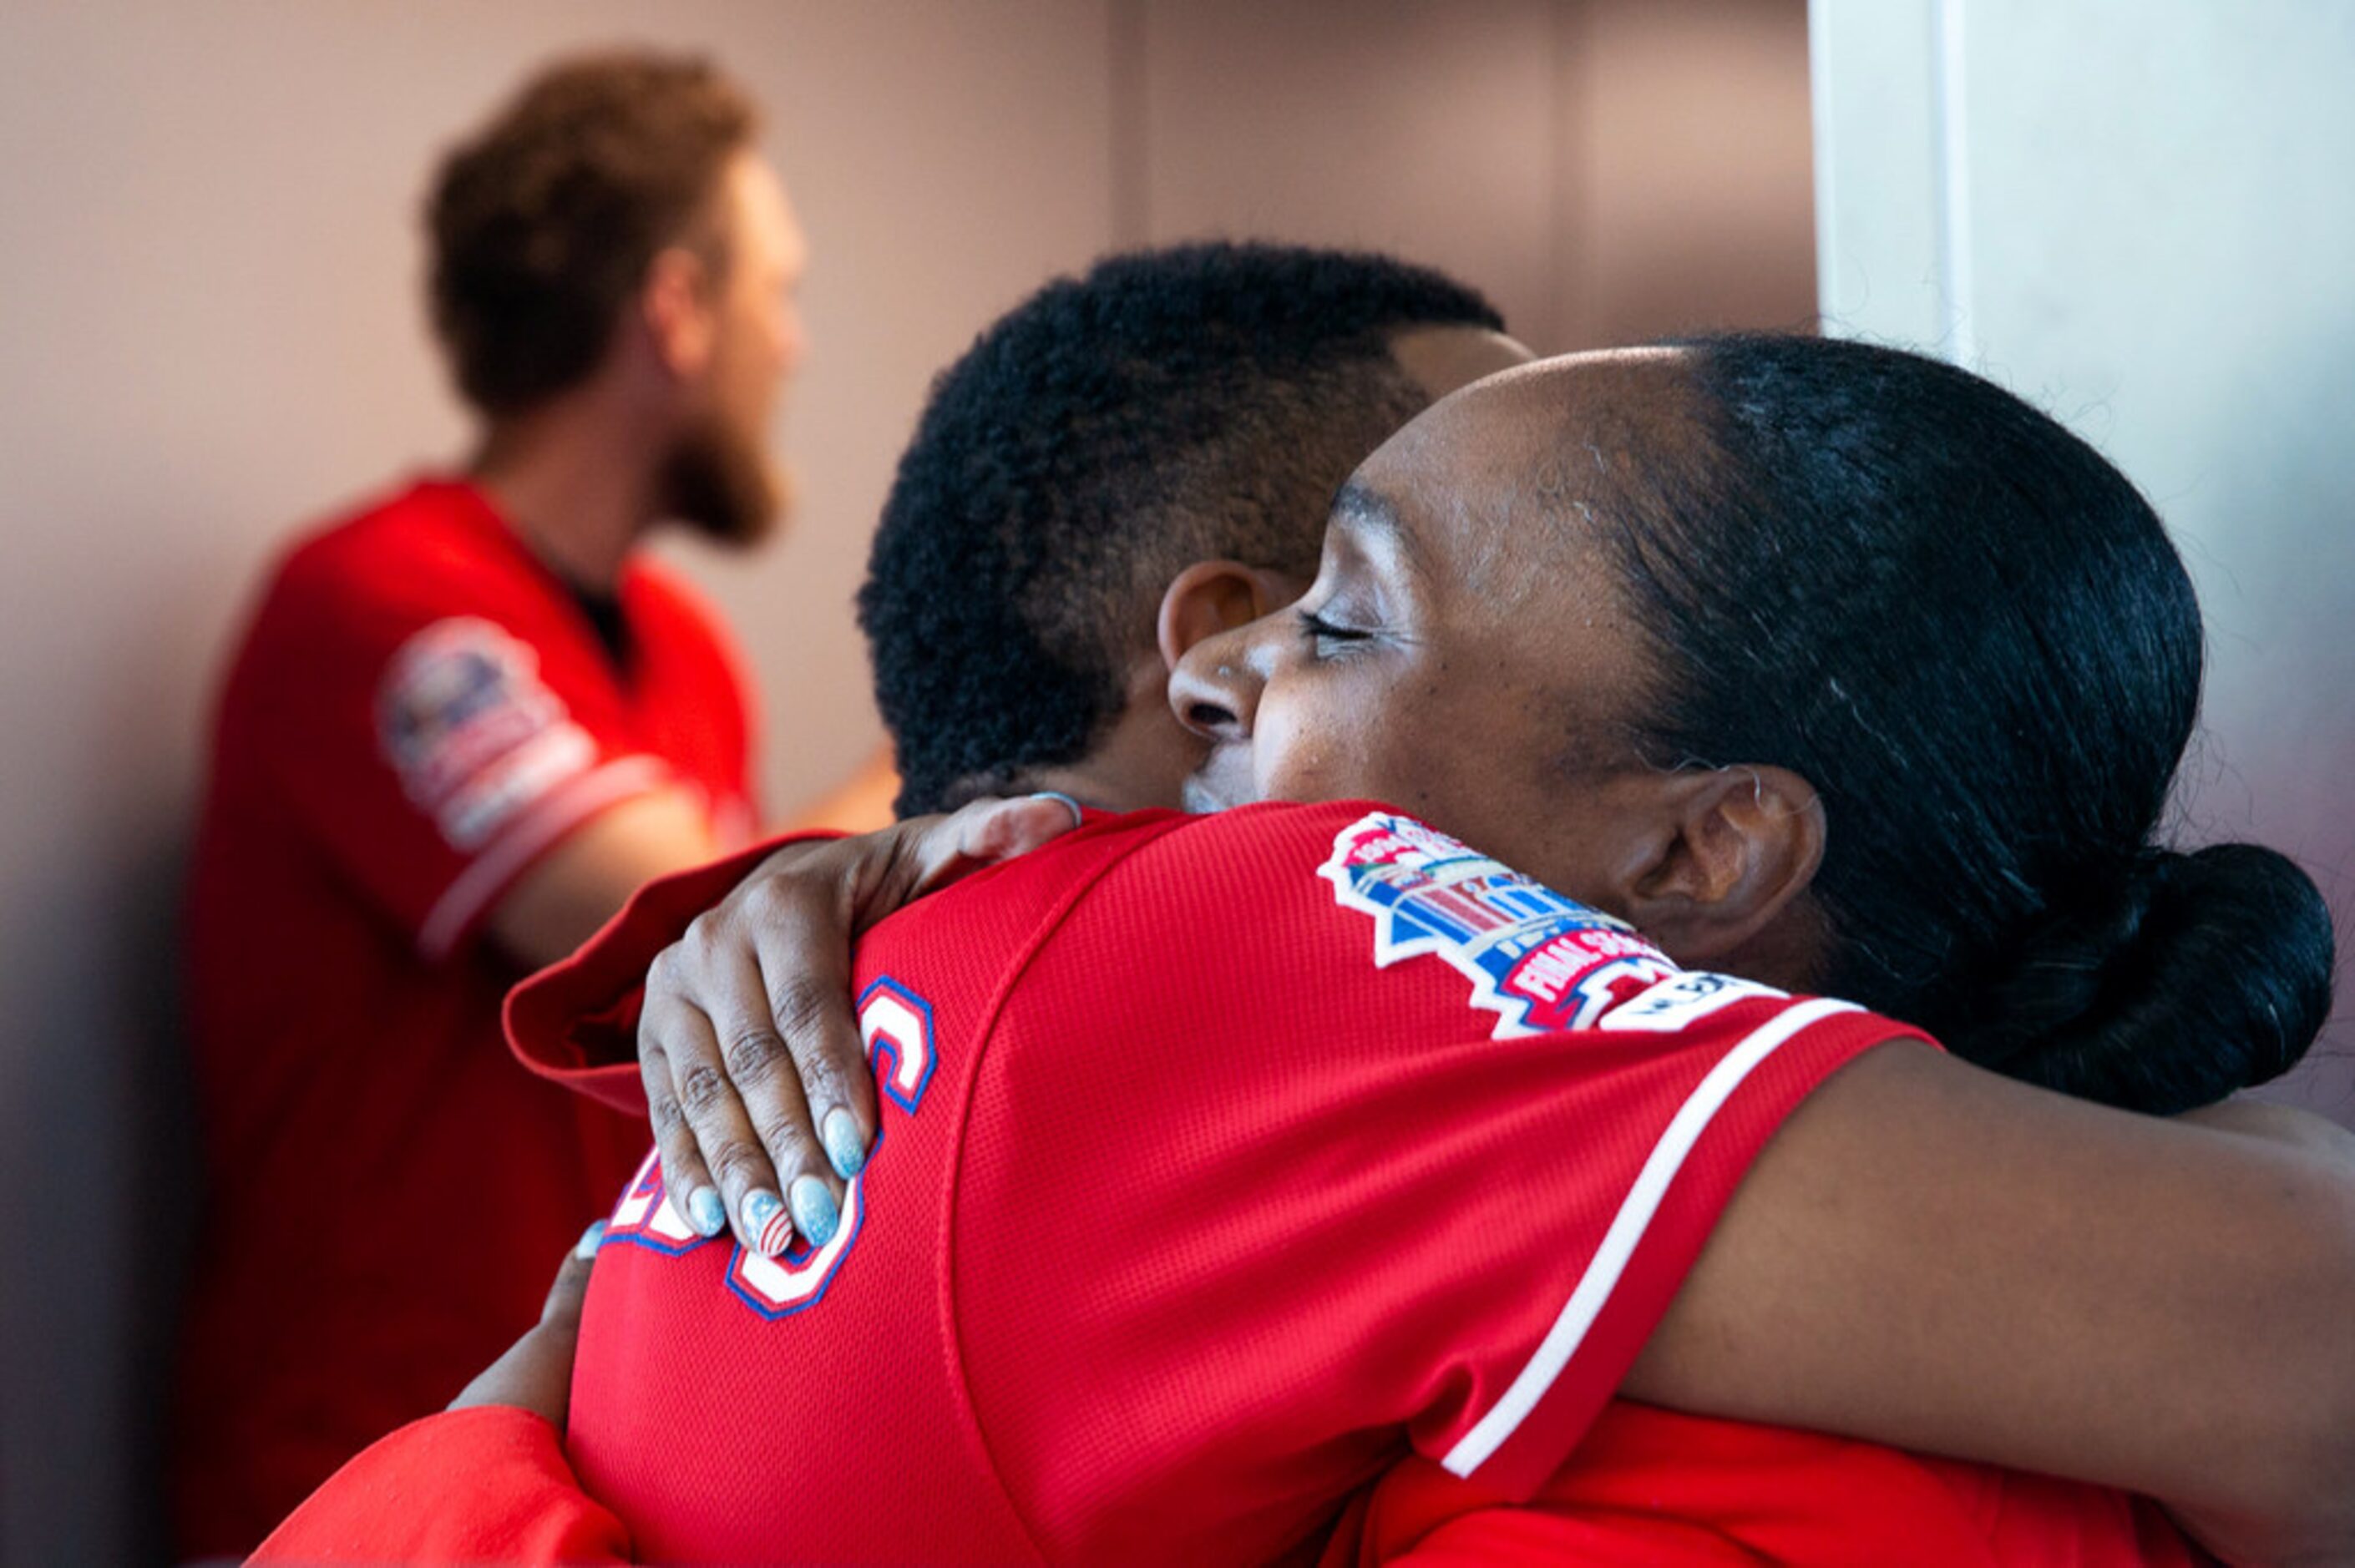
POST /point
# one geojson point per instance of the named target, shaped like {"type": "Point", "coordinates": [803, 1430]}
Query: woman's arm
{"type": "Point", "coordinates": [1928, 1255]}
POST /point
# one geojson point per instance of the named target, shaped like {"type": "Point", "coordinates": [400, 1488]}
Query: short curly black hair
{"type": "Point", "coordinates": [1171, 406]}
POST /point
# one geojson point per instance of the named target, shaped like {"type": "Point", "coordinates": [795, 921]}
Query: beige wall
{"type": "Point", "coordinates": [208, 334]}
{"type": "Point", "coordinates": [1609, 173]}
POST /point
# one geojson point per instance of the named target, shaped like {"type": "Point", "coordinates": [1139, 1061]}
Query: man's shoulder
{"type": "Point", "coordinates": [1168, 916]}
{"type": "Point", "coordinates": [425, 537]}
{"type": "Point", "coordinates": [1137, 887]}
{"type": "Point", "coordinates": [1347, 921]}
{"type": "Point", "coordinates": [1014, 900]}
{"type": "Point", "coordinates": [1380, 875]}
{"type": "Point", "coordinates": [1163, 864]}
{"type": "Point", "coordinates": [1274, 844]}
{"type": "Point", "coordinates": [348, 592]}
{"type": "Point", "coordinates": [419, 570]}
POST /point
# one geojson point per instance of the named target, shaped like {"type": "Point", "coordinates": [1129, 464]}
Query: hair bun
{"type": "Point", "coordinates": [2193, 975]}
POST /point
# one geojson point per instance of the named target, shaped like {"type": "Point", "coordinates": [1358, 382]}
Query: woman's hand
{"type": "Point", "coordinates": [756, 1079]}
{"type": "Point", "coordinates": [536, 1373]}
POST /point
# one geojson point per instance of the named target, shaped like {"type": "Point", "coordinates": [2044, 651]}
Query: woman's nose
{"type": "Point", "coordinates": [1214, 689]}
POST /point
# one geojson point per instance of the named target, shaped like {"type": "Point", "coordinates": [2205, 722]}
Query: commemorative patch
{"type": "Point", "coordinates": [1541, 962]}
{"type": "Point", "coordinates": [471, 730]}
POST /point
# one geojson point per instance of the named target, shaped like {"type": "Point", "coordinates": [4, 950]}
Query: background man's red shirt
{"type": "Point", "coordinates": [418, 711]}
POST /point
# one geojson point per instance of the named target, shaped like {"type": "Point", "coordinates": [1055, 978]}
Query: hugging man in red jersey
{"type": "Point", "coordinates": [463, 724]}
{"type": "Point", "coordinates": [1143, 1292]}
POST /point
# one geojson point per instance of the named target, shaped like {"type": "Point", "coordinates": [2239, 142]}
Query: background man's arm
{"type": "Point", "coordinates": [584, 880]}
{"type": "Point", "coordinates": [578, 885]}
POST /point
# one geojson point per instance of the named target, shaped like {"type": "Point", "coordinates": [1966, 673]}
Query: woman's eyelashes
{"type": "Point", "coordinates": [1328, 639]}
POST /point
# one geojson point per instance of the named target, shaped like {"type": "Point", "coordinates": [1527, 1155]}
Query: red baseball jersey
{"type": "Point", "coordinates": [1646, 1489]}
{"type": "Point", "coordinates": [1223, 1163]}
{"type": "Point", "coordinates": [419, 709]}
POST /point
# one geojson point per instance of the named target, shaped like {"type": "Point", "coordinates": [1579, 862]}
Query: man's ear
{"type": "Point", "coordinates": [1737, 847]}
{"type": "Point", "coordinates": [679, 306]}
{"type": "Point", "coordinates": [1211, 597]}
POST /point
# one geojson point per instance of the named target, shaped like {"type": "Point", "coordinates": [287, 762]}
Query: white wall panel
{"type": "Point", "coordinates": [2136, 217]}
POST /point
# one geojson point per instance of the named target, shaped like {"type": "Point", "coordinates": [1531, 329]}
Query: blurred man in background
{"type": "Point", "coordinates": [463, 724]}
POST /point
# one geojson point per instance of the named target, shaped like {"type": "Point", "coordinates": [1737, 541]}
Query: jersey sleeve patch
{"type": "Point", "coordinates": [1541, 962]}
{"type": "Point", "coordinates": [471, 732]}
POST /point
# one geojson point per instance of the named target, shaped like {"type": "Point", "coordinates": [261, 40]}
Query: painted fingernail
{"type": "Point", "coordinates": [814, 1214]}
{"type": "Point", "coordinates": [766, 1221]}
{"type": "Point", "coordinates": [591, 1239]}
{"type": "Point", "coordinates": [843, 1144]}
{"type": "Point", "coordinates": [706, 1213]}
{"type": "Point", "coordinates": [1077, 815]}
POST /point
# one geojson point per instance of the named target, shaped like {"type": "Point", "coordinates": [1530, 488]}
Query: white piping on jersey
{"type": "Point", "coordinates": [1627, 1227]}
{"type": "Point", "coordinates": [562, 809]}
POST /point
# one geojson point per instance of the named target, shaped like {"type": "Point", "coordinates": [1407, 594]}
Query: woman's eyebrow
{"type": "Point", "coordinates": [1374, 519]}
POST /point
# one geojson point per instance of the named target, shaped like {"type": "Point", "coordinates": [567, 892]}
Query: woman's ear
{"type": "Point", "coordinates": [1211, 597]}
{"type": "Point", "coordinates": [1740, 845]}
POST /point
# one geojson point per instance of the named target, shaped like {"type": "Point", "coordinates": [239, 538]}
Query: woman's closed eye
{"type": "Point", "coordinates": [1328, 637]}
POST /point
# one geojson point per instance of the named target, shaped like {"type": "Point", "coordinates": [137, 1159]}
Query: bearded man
{"type": "Point", "coordinates": [463, 725]}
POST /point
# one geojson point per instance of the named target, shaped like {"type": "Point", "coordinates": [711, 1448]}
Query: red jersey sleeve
{"type": "Point", "coordinates": [434, 722]}
{"type": "Point", "coordinates": [1313, 1122]}
{"type": "Point", "coordinates": [487, 1484]}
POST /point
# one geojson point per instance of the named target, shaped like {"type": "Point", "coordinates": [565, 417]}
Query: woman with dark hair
{"type": "Point", "coordinates": [1905, 668]}
{"type": "Point", "coordinates": [1824, 667]}
{"type": "Point", "coordinates": [1954, 635]}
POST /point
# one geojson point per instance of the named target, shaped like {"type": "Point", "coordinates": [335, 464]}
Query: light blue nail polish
{"type": "Point", "coordinates": [706, 1213]}
{"type": "Point", "coordinates": [766, 1221]}
{"type": "Point", "coordinates": [843, 1144]}
{"type": "Point", "coordinates": [814, 1214]}
{"type": "Point", "coordinates": [590, 1240]}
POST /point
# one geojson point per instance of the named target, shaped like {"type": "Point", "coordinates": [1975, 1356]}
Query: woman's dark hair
{"type": "Point", "coordinates": [1972, 635]}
